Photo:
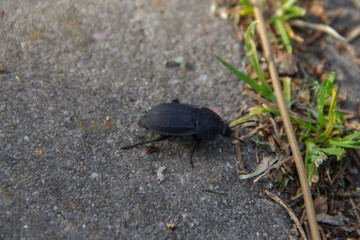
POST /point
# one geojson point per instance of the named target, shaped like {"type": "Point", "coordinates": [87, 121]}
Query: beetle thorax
{"type": "Point", "coordinates": [208, 125]}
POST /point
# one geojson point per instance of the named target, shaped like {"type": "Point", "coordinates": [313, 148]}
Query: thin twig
{"type": "Point", "coordinates": [355, 210]}
{"type": "Point", "coordinates": [276, 129]}
{"type": "Point", "coordinates": [261, 29]}
{"type": "Point", "coordinates": [341, 172]}
{"type": "Point", "coordinates": [356, 158]}
{"type": "Point", "coordinates": [290, 212]}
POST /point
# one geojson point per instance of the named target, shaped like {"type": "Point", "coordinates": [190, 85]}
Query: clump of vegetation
{"type": "Point", "coordinates": [321, 127]}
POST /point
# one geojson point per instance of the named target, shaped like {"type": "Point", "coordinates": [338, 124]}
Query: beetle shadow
{"type": "Point", "coordinates": [192, 148]}
{"type": "Point", "coordinates": [200, 150]}
{"type": "Point", "coordinates": [217, 149]}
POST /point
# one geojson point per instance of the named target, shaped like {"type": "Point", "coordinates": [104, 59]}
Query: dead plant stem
{"type": "Point", "coordinates": [261, 29]}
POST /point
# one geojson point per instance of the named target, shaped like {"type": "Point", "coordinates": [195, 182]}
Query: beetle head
{"type": "Point", "coordinates": [225, 130]}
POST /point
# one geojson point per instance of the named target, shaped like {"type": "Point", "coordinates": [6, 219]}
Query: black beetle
{"type": "Point", "coordinates": [179, 119]}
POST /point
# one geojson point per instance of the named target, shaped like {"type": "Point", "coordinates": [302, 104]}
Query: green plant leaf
{"type": "Point", "coordinates": [294, 12]}
{"type": "Point", "coordinates": [314, 157]}
{"type": "Point", "coordinates": [355, 135]}
{"type": "Point", "coordinates": [245, 11]}
{"type": "Point", "coordinates": [339, 152]}
{"type": "Point", "coordinates": [286, 5]}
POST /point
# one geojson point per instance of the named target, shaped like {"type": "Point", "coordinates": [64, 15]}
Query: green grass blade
{"type": "Point", "coordinates": [307, 134]}
{"type": "Point", "coordinates": [309, 166]}
{"type": "Point", "coordinates": [287, 4]}
{"type": "Point", "coordinates": [340, 117]}
{"type": "Point", "coordinates": [303, 123]}
{"type": "Point", "coordinates": [325, 89]}
{"type": "Point", "coordinates": [355, 135]}
{"type": "Point", "coordinates": [321, 103]}
{"type": "Point", "coordinates": [331, 114]}
{"type": "Point", "coordinates": [350, 141]}
{"type": "Point", "coordinates": [283, 34]}
{"type": "Point", "coordinates": [347, 144]}
{"type": "Point", "coordinates": [252, 54]}
{"type": "Point", "coordinates": [287, 90]}
{"type": "Point", "coordinates": [253, 112]}
{"type": "Point", "coordinates": [294, 12]}
{"type": "Point", "coordinates": [260, 89]}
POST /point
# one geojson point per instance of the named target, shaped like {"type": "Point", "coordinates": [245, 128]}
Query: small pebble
{"type": "Point", "coordinates": [94, 175]}
{"type": "Point", "coordinates": [81, 63]}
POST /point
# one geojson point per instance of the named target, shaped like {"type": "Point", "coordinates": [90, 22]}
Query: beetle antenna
{"type": "Point", "coordinates": [237, 139]}
{"type": "Point", "coordinates": [242, 123]}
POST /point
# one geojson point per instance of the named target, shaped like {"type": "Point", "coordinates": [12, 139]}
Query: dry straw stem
{"type": "Point", "coordinates": [261, 29]}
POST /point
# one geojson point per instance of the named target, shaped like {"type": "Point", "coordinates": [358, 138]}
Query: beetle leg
{"type": "Point", "coordinates": [175, 100]}
{"type": "Point", "coordinates": [192, 152]}
{"type": "Point", "coordinates": [150, 141]}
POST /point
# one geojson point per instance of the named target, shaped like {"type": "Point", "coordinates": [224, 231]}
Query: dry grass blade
{"type": "Point", "coordinates": [251, 133]}
{"type": "Point", "coordinates": [353, 34]}
{"type": "Point", "coordinates": [264, 165]}
{"type": "Point", "coordinates": [238, 151]}
{"type": "Point", "coordinates": [319, 27]}
{"type": "Point", "coordinates": [356, 3]}
{"type": "Point", "coordinates": [272, 105]}
{"type": "Point", "coordinates": [261, 29]}
{"type": "Point", "coordinates": [281, 162]}
{"type": "Point", "coordinates": [264, 173]}
{"type": "Point", "coordinates": [351, 50]}
{"type": "Point", "coordinates": [347, 113]}
{"type": "Point", "coordinates": [276, 128]}
{"type": "Point", "coordinates": [290, 212]}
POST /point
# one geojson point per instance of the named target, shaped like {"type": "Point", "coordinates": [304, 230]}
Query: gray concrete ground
{"type": "Point", "coordinates": [78, 75]}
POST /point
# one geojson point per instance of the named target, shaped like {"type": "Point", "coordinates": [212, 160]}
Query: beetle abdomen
{"type": "Point", "coordinates": [174, 119]}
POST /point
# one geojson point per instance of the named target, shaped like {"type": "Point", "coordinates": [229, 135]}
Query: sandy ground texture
{"type": "Point", "coordinates": [77, 77]}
